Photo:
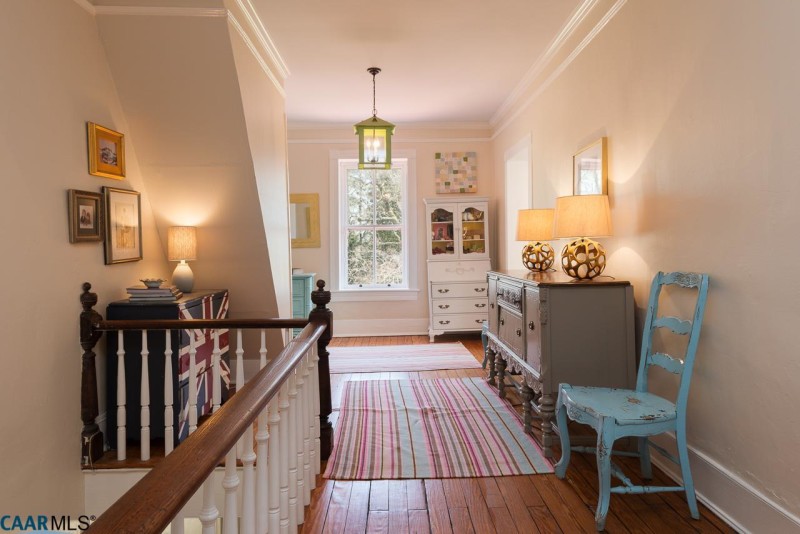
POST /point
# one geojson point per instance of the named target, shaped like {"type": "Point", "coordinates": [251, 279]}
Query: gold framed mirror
{"type": "Point", "coordinates": [304, 219]}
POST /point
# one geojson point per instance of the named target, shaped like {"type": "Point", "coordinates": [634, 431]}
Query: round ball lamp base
{"type": "Point", "coordinates": [538, 256]}
{"type": "Point", "coordinates": [183, 277]}
{"type": "Point", "coordinates": [583, 259]}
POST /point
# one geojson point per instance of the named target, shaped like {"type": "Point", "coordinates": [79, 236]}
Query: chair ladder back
{"type": "Point", "coordinates": [700, 281]}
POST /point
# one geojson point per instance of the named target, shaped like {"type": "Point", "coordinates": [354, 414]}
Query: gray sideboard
{"type": "Point", "coordinates": [552, 330]}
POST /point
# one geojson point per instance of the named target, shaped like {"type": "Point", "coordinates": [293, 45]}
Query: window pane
{"type": "Point", "coordinates": [388, 195]}
{"type": "Point", "coordinates": [360, 202]}
{"type": "Point", "coordinates": [389, 257]}
{"type": "Point", "coordinates": [359, 257]}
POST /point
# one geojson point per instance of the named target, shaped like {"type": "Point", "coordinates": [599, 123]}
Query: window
{"type": "Point", "coordinates": [375, 225]}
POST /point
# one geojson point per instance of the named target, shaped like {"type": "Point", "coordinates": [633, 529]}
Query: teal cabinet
{"type": "Point", "coordinates": [302, 286]}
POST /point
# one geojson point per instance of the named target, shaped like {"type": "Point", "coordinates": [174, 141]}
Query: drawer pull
{"type": "Point", "coordinates": [480, 289]}
{"type": "Point", "coordinates": [444, 322]}
{"type": "Point", "coordinates": [519, 332]}
{"type": "Point", "coordinates": [479, 321]}
{"type": "Point", "coordinates": [492, 305]}
{"type": "Point", "coordinates": [444, 306]}
{"type": "Point", "coordinates": [481, 305]}
{"type": "Point", "coordinates": [502, 320]}
{"type": "Point", "coordinates": [443, 290]}
{"type": "Point", "coordinates": [532, 325]}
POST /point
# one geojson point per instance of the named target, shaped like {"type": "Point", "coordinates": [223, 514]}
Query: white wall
{"type": "Point", "coordinates": [309, 171]}
{"type": "Point", "coordinates": [699, 103]}
{"type": "Point", "coordinates": [55, 78]}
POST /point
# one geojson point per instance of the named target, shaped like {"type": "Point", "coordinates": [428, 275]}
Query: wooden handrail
{"type": "Point", "coordinates": [196, 324]}
{"type": "Point", "coordinates": [150, 505]}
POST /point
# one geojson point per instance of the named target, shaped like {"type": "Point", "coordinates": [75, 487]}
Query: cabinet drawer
{"type": "Point", "coordinates": [510, 331]}
{"type": "Point", "coordinates": [450, 305]}
{"type": "Point", "coordinates": [510, 295]}
{"type": "Point", "coordinates": [458, 290]}
{"type": "Point", "coordinates": [466, 321]}
{"type": "Point", "coordinates": [457, 271]}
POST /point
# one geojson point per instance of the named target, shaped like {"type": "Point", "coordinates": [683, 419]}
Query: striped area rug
{"type": "Point", "coordinates": [385, 358]}
{"type": "Point", "coordinates": [438, 428]}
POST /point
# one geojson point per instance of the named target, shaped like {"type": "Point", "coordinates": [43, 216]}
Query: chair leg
{"type": "Point", "coordinates": [644, 458]}
{"type": "Point", "coordinates": [686, 473]}
{"type": "Point", "coordinates": [561, 420]}
{"type": "Point", "coordinates": [605, 443]}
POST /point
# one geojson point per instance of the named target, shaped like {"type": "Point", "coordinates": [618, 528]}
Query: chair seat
{"type": "Point", "coordinates": [627, 407]}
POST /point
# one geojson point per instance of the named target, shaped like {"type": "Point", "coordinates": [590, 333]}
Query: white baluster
{"type": "Point", "coordinates": [306, 425]}
{"type": "Point", "coordinates": [249, 494]}
{"type": "Point", "coordinates": [145, 395]}
{"type": "Point", "coordinates": [209, 513]}
{"type": "Point", "coordinates": [122, 445]}
{"type": "Point", "coordinates": [299, 408]}
{"type": "Point", "coordinates": [291, 415]}
{"type": "Point", "coordinates": [192, 407]}
{"type": "Point", "coordinates": [283, 461]}
{"type": "Point", "coordinates": [262, 444]}
{"type": "Point", "coordinates": [231, 483]}
{"type": "Point", "coordinates": [239, 376]}
{"type": "Point", "coordinates": [216, 386]}
{"type": "Point", "coordinates": [169, 434]}
{"type": "Point", "coordinates": [316, 454]}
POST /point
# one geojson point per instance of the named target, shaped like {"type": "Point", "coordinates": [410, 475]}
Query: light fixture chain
{"type": "Point", "coordinates": [374, 110]}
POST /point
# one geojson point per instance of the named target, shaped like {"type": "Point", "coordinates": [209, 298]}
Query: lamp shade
{"type": "Point", "coordinates": [535, 225]}
{"type": "Point", "coordinates": [182, 243]}
{"type": "Point", "coordinates": [582, 216]}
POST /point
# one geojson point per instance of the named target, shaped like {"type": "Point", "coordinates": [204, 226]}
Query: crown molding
{"type": "Point", "coordinates": [86, 6]}
{"type": "Point", "coordinates": [521, 107]}
{"type": "Point", "coordinates": [302, 126]}
{"type": "Point", "coordinates": [415, 140]}
{"type": "Point", "coordinates": [232, 21]}
{"type": "Point", "coordinates": [255, 24]}
{"type": "Point", "coordinates": [578, 16]}
{"type": "Point", "coordinates": [152, 11]}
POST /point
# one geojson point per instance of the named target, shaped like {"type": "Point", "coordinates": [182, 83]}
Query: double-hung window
{"type": "Point", "coordinates": [374, 230]}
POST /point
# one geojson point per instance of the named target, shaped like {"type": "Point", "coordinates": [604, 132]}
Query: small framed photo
{"type": "Point", "coordinates": [123, 237]}
{"type": "Point", "coordinates": [106, 152]}
{"type": "Point", "coordinates": [85, 216]}
{"type": "Point", "coordinates": [590, 169]}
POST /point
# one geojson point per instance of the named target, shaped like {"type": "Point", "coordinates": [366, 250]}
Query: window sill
{"type": "Point", "coordinates": [373, 295]}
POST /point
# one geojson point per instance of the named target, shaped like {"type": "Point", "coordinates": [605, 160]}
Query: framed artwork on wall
{"type": "Point", "coordinates": [456, 172]}
{"type": "Point", "coordinates": [123, 238]}
{"type": "Point", "coordinates": [590, 169]}
{"type": "Point", "coordinates": [85, 216]}
{"type": "Point", "coordinates": [106, 152]}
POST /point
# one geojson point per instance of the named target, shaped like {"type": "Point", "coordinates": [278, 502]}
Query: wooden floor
{"type": "Point", "coordinates": [525, 504]}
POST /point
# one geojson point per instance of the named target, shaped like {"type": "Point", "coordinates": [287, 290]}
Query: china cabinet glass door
{"type": "Point", "coordinates": [442, 232]}
{"type": "Point", "coordinates": [473, 230]}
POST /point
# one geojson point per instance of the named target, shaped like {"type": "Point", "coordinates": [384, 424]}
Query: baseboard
{"type": "Point", "coordinates": [379, 327]}
{"type": "Point", "coordinates": [735, 500]}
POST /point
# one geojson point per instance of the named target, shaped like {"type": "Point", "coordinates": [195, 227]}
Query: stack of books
{"type": "Point", "coordinates": [154, 294]}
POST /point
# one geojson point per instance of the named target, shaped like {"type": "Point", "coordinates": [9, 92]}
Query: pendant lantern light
{"type": "Point", "coordinates": [374, 137]}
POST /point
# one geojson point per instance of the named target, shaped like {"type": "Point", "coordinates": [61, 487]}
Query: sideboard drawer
{"type": "Point", "coordinates": [450, 305]}
{"type": "Point", "coordinates": [470, 321]}
{"type": "Point", "coordinates": [510, 330]}
{"type": "Point", "coordinates": [510, 295]}
{"type": "Point", "coordinates": [459, 290]}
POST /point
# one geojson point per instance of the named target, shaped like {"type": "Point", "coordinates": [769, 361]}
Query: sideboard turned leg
{"type": "Point", "coordinates": [491, 355]}
{"type": "Point", "coordinates": [527, 399]}
{"type": "Point", "coordinates": [501, 376]}
{"type": "Point", "coordinates": [547, 410]}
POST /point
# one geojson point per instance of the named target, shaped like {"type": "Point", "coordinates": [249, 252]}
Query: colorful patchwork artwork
{"type": "Point", "coordinates": [456, 172]}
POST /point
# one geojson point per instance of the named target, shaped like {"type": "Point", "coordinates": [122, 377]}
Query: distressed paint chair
{"type": "Point", "coordinates": [617, 413]}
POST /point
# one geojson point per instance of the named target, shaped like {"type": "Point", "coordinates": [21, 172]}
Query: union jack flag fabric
{"type": "Point", "coordinates": [210, 308]}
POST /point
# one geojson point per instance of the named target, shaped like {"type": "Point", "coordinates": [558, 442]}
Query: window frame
{"type": "Point", "coordinates": [341, 161]}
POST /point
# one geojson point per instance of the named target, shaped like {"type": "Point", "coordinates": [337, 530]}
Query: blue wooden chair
{"type": "Point", "coordinates": [617, 413]}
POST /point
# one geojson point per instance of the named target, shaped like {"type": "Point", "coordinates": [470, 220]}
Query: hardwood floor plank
{"type": "Point", "coordinates": [418, 522]}
{"type": "Point", "coordinates": [378, 522]}
{"type": "Point", "coordinates": [358, 508]}
{"type": "Point", "coordinates": [476, 504]}
{"type": "Point", "coordinates": [453, 493]}
{"type": "Point", "coordinates": [415, 493]}
{"type": "Point", "coordinates": [337, 509]}
{"type": "Point", "coordinates": [379, 495]}
{"type": "Point", "coordinates": [397, 495]}
{"type": "Point", "coordinates": [398, 521]}
{"type": "Point", "coordinates": [568, 520]}
{"type": "Point", "coordinates": [544, 520]}
{"type": "Point", "coordinates": [437, 507]}
{"type": "Point", "coordinates": [314, 518]}
{"type": "Point", "coordinates": [502, 521]}
{"type": "Point", "coordinates": [516, 507]}
{"type": "Point", "coordinates": [461, 521]}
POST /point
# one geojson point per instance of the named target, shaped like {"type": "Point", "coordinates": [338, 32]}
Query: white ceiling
{"type": "Point", "coordinates": [443, 61]}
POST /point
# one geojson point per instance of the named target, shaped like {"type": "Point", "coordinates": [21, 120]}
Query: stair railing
{"type": "Point", "coordinates": [288, 401]}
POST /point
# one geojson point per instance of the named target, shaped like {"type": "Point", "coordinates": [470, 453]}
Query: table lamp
{"type": "Point", "coordinates": [182, 247]}
{"type": "Point", "coordinates": [578, 217]}
{"type": "Point", "coordinates": [536, 227]}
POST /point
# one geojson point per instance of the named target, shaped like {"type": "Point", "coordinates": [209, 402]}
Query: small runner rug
{"type": "Point", "coordinates": [385, 358]}
{"type": "Point", "coordinates": [438, 428]}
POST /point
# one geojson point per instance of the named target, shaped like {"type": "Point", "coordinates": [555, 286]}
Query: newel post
{"type": "Point", "coordinates": [91, 437]}
{"type": "Point", "coordinates": [322, 314]}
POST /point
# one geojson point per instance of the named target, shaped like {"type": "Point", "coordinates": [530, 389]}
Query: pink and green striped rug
{"type": "Point", "coordinates": [384, 358]}
{"type": "Point", "coordinates": [437, 428]}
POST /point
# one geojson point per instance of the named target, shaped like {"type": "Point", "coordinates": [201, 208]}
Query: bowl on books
{"type": "Point", "coordinates": [152, 283]}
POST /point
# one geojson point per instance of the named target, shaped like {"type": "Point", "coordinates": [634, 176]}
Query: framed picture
{"type": "Point", "coordinates": [85, 216]}
{"type": "Point", "coordinates": [123, 238]}
{"type": "Point", "coordinates": [590, 170]}
{"type": "Point", "coordinates": [106, 152]}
